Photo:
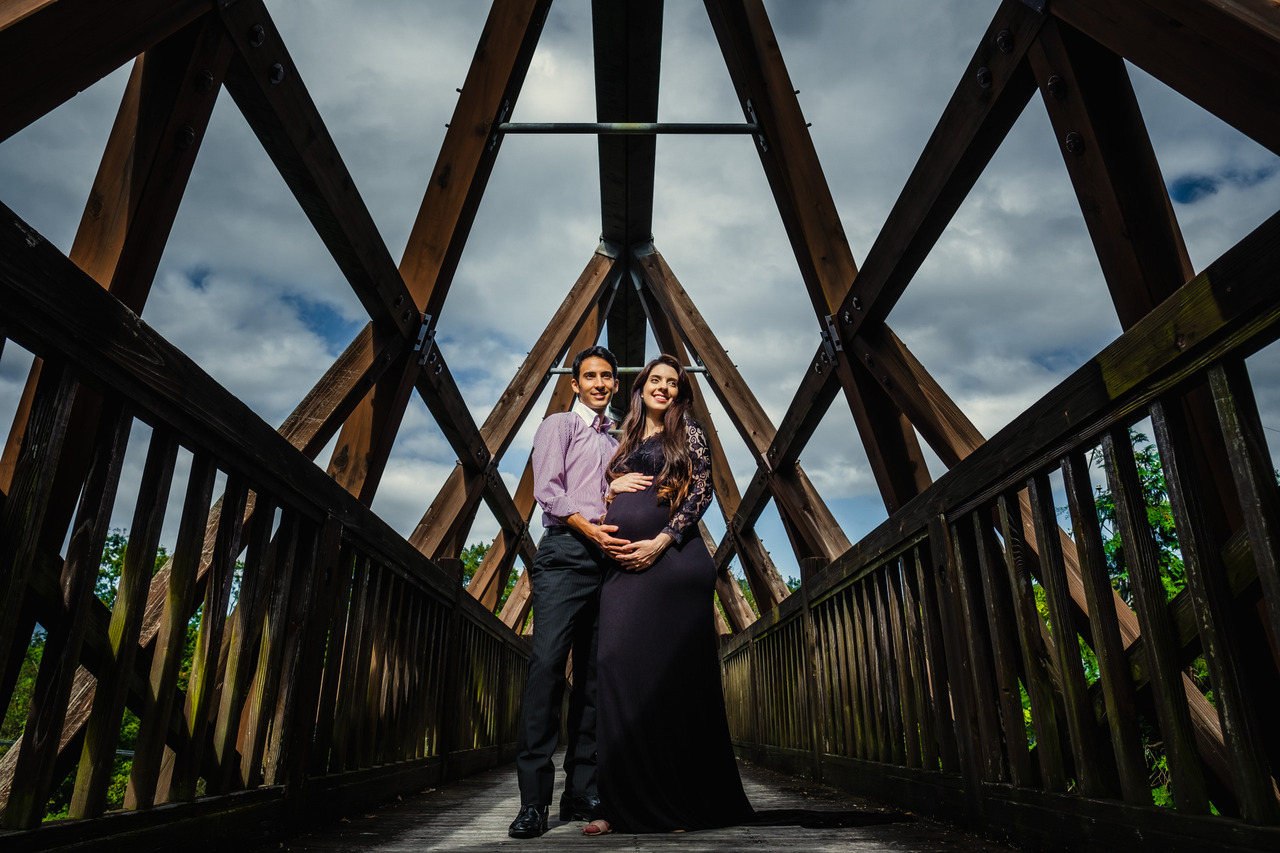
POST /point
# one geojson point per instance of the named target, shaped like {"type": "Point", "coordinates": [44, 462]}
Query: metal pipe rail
{"type": "Point", "coordinates": [624, 371]}
{"type": "Point", "coordinates": [926, 664]}
{"type": "Point", "coordinates": [624, 128]}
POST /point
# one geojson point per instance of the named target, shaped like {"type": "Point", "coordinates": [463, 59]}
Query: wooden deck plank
{"type": "Point", "coordinates": [795, 814]}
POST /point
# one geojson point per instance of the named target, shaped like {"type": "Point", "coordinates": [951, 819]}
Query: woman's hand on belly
{"type": "Point", "coordinates": [628, 483]}
{"type": "Point", "coordinates": [642, 554]}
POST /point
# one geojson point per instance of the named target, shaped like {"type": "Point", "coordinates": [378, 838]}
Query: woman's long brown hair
{"type": "Point", "coordinates": [677, 472]}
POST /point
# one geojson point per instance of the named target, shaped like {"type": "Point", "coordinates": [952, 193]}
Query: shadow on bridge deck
{"type": "Point", "coordinates": [472, 815]}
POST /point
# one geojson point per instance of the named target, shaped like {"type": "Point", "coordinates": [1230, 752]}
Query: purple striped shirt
{"type": "Point", "coordinates": [570, 453]}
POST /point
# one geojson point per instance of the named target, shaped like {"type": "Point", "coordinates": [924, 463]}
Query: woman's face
{"type": "Point", "coordinates": [661, 388]}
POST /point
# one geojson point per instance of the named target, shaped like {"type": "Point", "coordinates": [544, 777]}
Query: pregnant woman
{"type": "Point", "coordinates": [665, 759]}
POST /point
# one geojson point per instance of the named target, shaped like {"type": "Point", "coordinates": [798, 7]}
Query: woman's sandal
{"type": "Point", "coordinates": [599, 826]}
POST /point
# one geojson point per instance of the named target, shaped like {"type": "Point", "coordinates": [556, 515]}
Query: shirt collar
{"type": "Point", "coordinates": [584, 411]}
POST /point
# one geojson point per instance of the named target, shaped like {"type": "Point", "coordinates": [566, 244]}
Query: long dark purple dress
{"type": "Point", "coordinates": [665, 758]}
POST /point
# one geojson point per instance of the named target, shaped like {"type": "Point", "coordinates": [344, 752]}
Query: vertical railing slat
{"type": "Point", "coordinates": [171, 636]}
{"type": "Point", "coordinates": [33, 774]}
{"type": "Point", "coordinates": [905, 700]}
{"type": "Point", "coordinates": [1035, 656]}
{"type": "Point", "coordinates": [958, 667]}
{"type": "Point", "coordinates": [24, 511]}
{"type": "Point", "coordinates": [347, 708]}
{"type": "Point", "coordinates": [202, 689]}
{"type": "Point", "coordinates": [889, 667]}
{"type": "Point", "coordinates": [939, 674]}
{"type": "Point", "coordinates": [102, 732]}
{"type": "Point", "coordinates": [1066, 642]}
{"type": "Point", "coordinates": [245, 631]}
{"type": "Point", "coordinates": [1206, 579]}
{"type": "Point", "coordinates": [1188, 781]}
{"type": "Point", "coordinates": [265, 690]}
{"type": "Point", "coordinates": [1113, 670]}
{"type": "Point", "coordinates": [916, 652]}
{"type": "Point", "coordinates": [1001, 623]}
{"type": "Point", "coordinates": [973, 627]}
{"type": "Point", "coordinates": [1255, 480]}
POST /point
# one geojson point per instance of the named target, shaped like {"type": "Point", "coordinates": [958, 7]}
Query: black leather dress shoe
{"type": "Point", "coordinates": [530, 823]}
{"type": "Point", "coordinates": [579, 808]}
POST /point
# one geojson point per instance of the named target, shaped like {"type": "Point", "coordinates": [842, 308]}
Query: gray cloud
{"type": "Point", "coordinates": [1008, 304]}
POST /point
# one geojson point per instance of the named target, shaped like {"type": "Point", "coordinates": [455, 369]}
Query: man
{"type": "Point", "coordinates": [570, 453]}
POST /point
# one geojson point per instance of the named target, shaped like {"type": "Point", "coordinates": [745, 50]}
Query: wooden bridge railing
{"type": "Point", "coordinates": [333, 663]}
{"type": "Point", "coordinates": [903, 669]}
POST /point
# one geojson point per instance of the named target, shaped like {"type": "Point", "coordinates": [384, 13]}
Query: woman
{"type": "Point", "coordinates": [665, 759]}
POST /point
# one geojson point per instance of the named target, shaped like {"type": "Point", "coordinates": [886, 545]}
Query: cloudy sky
{"type": "Point", "coordinates": [1008, 304]}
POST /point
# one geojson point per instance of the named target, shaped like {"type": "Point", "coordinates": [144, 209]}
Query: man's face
{"type": "Point", "coordinates": [595, 383]}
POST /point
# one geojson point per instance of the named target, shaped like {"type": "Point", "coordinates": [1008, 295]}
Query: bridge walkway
{"type": "Point", "coordinates": [472, 814]}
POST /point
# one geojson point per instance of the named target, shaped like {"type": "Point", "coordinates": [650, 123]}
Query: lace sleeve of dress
{"type": "Point", "coordinates": [684, 523]}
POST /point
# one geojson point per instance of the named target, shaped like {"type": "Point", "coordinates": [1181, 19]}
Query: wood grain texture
{"type": "Point", "coordinates": [768, 99]}
{"type": "Point", "coordinates": [1219, 634]}
{"type": "Point", "coordinates": [466, 157]}
{"type": "Point", "coordinates": [294, 135]}
{"type": "Point", "coordinates": [1113, 676]}
{"type": "Point", "coordinates": [451, 509]}
{"type": "Point", "coordinates": [51, 52]}
{"type": "Point", "coordinates": [26, 505]}
{"type": "Point", "coordinates": [1068, 664]}
{"type": "Point", "coordinates": [1149, 600]}
{"type": "Point", "coordinates": [971, 128]}
{"type": "Point", "coordinates": [32, 778]}
{"type": "Point", "coordinates": [102, 729]}
{"type": "Point", "coordinates": [1221, 54]}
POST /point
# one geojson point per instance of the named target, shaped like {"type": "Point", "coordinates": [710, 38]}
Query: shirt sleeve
{"type": "Point", "coordinates": [550, 447]}
{"type": "Point", "coordinates": [684, 523]}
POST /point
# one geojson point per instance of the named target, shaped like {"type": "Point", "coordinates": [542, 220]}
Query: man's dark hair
{"type": "Point", "coordinates": [595, 352]}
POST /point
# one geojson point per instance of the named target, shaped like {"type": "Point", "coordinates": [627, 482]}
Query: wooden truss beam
{"type": "Point", "coordinates": [1113, 167]}
{"type": "Point", "coordinates": [817, 236]}
{"type": "Point", "coordinates": [1108, 154]}
{"type": "Point", "coordinates": [1220, 54]}
{"type": "Point", "coordinates": [796, 496]}
{"type": "Point", "coordinates": [627, 51]}
{"type": "Point", "coordinates": [436, 533]}
{"type": "Point", "coordinates": [50, 52]}
{"type": "Point", "coordinates": [274, 99]}
{"type": "Point", "coordinates": [786, 150]}
{"type": "Point", "coordinates": [135, 195]}
{"type": "Point", "coordinates": [767, 586]}
{"type": "Point", "coordinates": [974, 123]}
{"type": "Point", "coordinates": [471, 143]}
{"type": "Point", "coordinates": [491, 576]}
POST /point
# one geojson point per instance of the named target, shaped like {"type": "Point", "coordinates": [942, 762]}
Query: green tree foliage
{"type": "Point", "coordinates": [472, 556]}
{"type": "Point", "coordinates": [792, 585]}
{"type": "Point", "coordinates": [1155, 496]}
{"type": "Point", "coordinates": [15, 717]}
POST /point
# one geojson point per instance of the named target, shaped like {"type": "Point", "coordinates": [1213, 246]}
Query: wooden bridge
{"type": "Point", "coordinates": [294, 658]}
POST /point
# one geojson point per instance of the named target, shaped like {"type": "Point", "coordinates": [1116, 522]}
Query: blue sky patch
{"type": "Point", "coordinates": [1190, 188]}
{"type": "Point", "coordinates": [1062, 360]}
{"type": "Point", "coordinates": [321, 318]}
{"type": "Point", "coordinates": [198, 276]}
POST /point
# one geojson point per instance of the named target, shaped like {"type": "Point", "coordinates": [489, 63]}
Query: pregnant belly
{"type": "Point", "coordinates": [638, 515]}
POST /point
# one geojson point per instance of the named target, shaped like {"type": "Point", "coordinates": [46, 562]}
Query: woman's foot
{"type": "Point", "coordinates": [599, 826]}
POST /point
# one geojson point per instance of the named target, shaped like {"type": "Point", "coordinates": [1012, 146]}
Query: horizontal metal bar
{"type": "Point", "coordinates": [626, 128]}
{"type": "Point", "coordinates": [696, 368]}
